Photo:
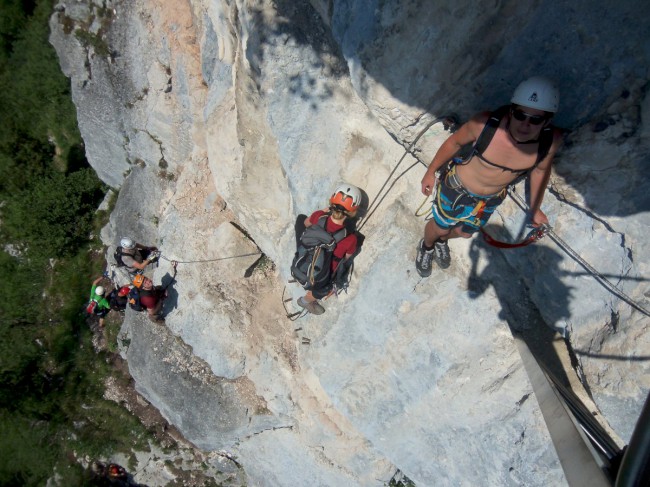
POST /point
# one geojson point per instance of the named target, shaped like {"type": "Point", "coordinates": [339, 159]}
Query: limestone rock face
{"type": "Point", "coordinates": [221, 121]}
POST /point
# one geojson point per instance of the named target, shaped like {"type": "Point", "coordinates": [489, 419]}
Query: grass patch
{"type": "Point", "coordinates": [88, 39]}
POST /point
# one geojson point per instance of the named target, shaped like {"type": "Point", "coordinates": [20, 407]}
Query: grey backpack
{"type": "Point", "coordinates": [312, 262]}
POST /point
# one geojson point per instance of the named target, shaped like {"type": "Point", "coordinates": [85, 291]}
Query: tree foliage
{"type": "Point", "coordinates": [35, 96]}
{"type": "Point", "coordinates": [53, 217]}
{"type": "Point", "coordinates": [51, 380]}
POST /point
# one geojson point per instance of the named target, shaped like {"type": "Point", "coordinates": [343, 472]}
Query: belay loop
{"type": "Point", "coordinates": [535, 235]}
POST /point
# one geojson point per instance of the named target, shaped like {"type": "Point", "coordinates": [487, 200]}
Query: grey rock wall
{"type": "Point", "coordinates": [462, 56]}
{"type": "Point", "coordinates": [222, 121]}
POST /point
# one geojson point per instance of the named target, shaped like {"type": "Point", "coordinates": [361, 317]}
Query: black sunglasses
{"type": "Point", "coordinates": [339, 208]}
{"type": "Point", "coordinates": [520, 115]}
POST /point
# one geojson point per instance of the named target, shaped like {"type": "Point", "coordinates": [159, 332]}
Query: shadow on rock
{"type": "Point", "coordinates": [523, 316]}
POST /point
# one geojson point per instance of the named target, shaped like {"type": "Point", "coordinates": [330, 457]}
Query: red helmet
{"type": "Point", "coordinates": [347, 197]}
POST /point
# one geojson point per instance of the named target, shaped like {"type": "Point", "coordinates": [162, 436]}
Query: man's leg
{"type": "Point", "coordinates": [102, 314]}
{"type": "Point", "coordinates": [311, 304]}
{"type": "Point", "coordinates": [457, 232]}
{"type": "Point", "coordinates": [433, 233]}
{"type": "Point", "coordinates": [433, 247]}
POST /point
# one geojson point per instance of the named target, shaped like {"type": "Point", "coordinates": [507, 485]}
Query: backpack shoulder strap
{"type": "Point", "coordinates": [339, 234]}
{"type": "Point", "coordinates": [489, 129]}
{"type": "Point", "coordinates": [322, 221]}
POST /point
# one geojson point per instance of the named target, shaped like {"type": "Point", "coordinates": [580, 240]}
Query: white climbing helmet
{"type": "Point", "coordinates": [537, 92]}
{"type": "Point", "coordinates": [346, 196]}
{"type": "Point", "coordinates": [127, 243]}
{"type": "Point", "coordinates": [99, 291]}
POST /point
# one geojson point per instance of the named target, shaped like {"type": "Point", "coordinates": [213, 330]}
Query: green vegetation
{"type": "Point", "coordinates": [90, 39]}
{"type": "Point", "coordinates": [400, 480]}
{"type": "Point", "coordinates": [51, 380]}
{"type": "Point", "coordinates": [264, 264]}
{"type": "Point", "coordinates": [53, 216]}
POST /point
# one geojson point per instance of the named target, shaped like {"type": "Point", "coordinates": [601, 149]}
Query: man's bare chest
{"type": "Point", "coordinates": [506, 155]}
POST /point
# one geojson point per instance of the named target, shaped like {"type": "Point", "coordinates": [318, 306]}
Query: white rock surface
{"type": "Point", "coordinates": [231, 118]}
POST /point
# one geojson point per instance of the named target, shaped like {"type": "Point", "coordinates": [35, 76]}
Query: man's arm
{"type": "Point", "coordinates": [539, 180]}
{"type": "Point", "coordinates": [144, 247]}
{"type": "Point", "coordinates": [140, 265]}
{"type": "Point", "coordinates": [467, 133]}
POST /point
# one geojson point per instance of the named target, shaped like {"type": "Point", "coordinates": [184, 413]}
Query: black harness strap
{"type": "Point", "coordinates": [545, 137]}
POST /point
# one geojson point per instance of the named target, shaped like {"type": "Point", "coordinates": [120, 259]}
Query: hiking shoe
{"type": "Point", "coordinates": [314, 307]}
{"type": "Point", "coordinates": [423, 260]}
{"type": "Point", "coordinates": [442, 254]}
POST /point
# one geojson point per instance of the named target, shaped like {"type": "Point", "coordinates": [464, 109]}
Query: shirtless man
{"type": "Point", "coordinates": [523, 145]}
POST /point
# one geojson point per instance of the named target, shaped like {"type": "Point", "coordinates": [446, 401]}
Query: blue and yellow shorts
{"type": "Point", "coordinates": [454, 205]}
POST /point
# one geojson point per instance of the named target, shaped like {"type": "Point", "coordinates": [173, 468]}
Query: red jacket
{"type": "Point", "coordinates": [346, 246]}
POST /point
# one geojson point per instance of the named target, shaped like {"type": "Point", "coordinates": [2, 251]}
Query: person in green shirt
{"type": "Point", "coordinates": [97, 294]}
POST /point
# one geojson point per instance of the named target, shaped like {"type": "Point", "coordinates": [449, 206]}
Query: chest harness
{"type": "Point", "coordinates": [451, 179]}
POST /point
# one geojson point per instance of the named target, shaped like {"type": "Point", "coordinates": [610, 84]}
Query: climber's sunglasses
{"type": "Point", "coordinates": [339, 208]}
{"type": "Point", "coordinates": [520, 115]}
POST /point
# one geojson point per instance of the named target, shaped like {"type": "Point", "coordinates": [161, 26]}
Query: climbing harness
{"type": "Point", "coordinates": [427, 213]}
{"type": "Point", "coordinates": [476, 214]}
{"type": "Point", "coordinates": [452, 182]}
{"type": "Point", "coordinates": [544, 141]}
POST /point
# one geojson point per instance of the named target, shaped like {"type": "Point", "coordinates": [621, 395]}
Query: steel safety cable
{"type": "Point", "coordinates": [449, 121]}
{"type": "Point", "coordinates": [606, 283]}
{"type": "Point", "coordinates": [209, 260]}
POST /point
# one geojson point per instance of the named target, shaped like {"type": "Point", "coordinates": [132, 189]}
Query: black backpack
{"type": "Point", "coordinates": [134, 299]}
{"type": "Point", "coordinates": [117, 302]}
{"type": "Point", "coordinates": [312, 263]}
{"type": "Point", "coordinates": [118, 257]}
